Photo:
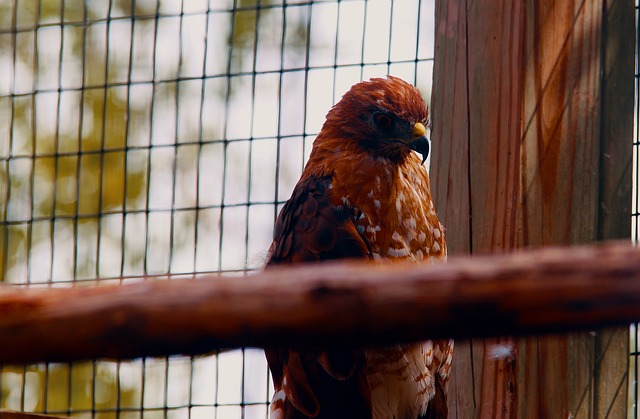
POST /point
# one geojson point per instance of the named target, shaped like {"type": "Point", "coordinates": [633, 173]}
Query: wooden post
{"type": "Point", "coordinates": [532, 129]}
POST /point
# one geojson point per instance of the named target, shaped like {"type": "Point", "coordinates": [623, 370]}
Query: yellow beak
{"type": "Point", "coordinates": [420, 141]}
{"type": "Point", "coordinates": [419, 130]}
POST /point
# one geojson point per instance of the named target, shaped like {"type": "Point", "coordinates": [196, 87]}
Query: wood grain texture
{"type": "Point", "coordinates": [617, 125]}
{"type": "Point", "coordinates": [561, 133]}
{"type": "Point", "coordinates": [538, 95]}
{"type": "Point", "coordinates": [348, 303]}
{"type": "Point", "coordinates": [450, 125]}
{"type": "Point", "coordinates": [611, 371]}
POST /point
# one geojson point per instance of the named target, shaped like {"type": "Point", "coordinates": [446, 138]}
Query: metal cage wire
{"type": "Point", "coordinates": [147, 138]}
{"type": "Point", "coordinates": [634, 391]}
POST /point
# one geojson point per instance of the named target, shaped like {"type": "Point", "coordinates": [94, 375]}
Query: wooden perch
{"type": "Point", "coordinates": [541, 291]}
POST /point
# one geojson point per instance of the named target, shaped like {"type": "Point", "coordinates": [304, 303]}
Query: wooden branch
{"type": "Point", "coordinates": [539, 291]}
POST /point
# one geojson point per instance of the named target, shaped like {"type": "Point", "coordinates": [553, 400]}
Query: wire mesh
{"type": "Point", "coordinates": [143, 138]}
{"type": "Point", "coordinates": [634, 391]}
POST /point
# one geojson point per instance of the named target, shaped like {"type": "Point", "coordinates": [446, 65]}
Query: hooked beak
{"type": "Point", "coordinates": [420, 142]}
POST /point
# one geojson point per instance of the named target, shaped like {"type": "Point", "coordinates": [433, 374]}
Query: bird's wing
{"type": "Point", "coordinates": [311, 383]}
{"type": "Point", "coordinates": [310, 228]}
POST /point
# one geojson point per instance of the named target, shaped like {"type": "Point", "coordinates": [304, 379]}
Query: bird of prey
{"type": "Point", "coordinates": [364, 194]}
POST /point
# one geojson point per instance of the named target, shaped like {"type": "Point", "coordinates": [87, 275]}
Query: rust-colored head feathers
{"type": "Point", "coordinates": [384, 117]}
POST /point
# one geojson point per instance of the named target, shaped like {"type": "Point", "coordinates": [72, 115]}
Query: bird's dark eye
{"type": "Point", "coordinates": [383, 121]}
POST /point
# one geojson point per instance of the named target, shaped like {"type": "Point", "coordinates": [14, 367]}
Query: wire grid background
{"type": "Point", "coordinates": [634, 348]}
{"type": "Point", "coordinates": [161, 138]}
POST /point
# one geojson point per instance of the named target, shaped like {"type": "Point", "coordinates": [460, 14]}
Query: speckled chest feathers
{"type": "Point", "coordinates": [391, 206]}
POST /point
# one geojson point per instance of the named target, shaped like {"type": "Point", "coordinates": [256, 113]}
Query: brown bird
{"type": "Point", "coordinates": [363, 194]}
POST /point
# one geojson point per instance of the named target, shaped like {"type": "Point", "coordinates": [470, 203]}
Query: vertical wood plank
{"type": "Point", "coordinates": [532, 107]}
{"type": "Point", "coordinates": [617, 127]}
{"type": "Point", "coordinates": [559, 193]}
{"type": "Point", "coordinates": [611, 370]}
{"type": "Point", "coordinates": [561, 133]}
{"type": "Point", "coordinates": [450, 123]}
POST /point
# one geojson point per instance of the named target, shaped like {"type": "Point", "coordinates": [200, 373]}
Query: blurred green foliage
{"type": "Point", "coordinates": [77, 172]}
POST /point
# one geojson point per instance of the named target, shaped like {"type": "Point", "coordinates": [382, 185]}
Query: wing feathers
{"type": "Point", "coordinates": [340, 364]}
{"type": "Point", "coordinates": [297, 388]}
{"type": "Point", "coordinates": [311, 228]}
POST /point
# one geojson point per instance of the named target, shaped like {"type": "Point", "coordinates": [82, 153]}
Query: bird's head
{"type": "Point", "coordinates": [384, 117]}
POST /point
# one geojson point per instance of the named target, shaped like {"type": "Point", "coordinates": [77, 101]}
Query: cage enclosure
{"type": "Point", "coordinates": [144, 140]}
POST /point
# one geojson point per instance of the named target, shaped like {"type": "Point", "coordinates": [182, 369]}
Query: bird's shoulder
{"type": "Point", "coordinates": [312, 227]}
